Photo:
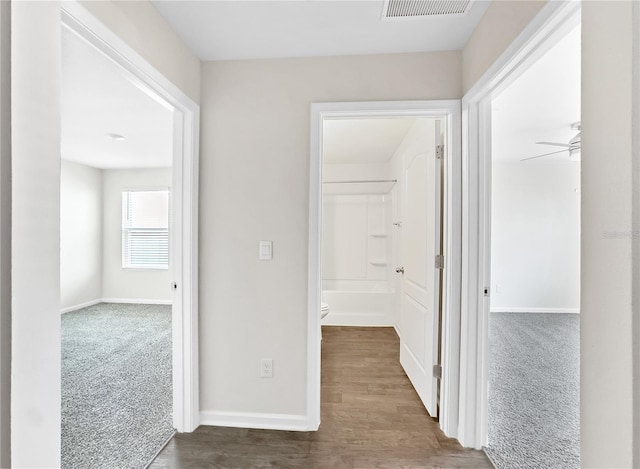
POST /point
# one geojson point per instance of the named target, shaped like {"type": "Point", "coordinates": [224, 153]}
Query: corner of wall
{"type": "Point", "coordinates": [35, 237]}
{"type": "Point", "coordinates": [80, 229]}
{"type": "Point", "coordinates": [608, 244]}
{"type": "Point", "coordinates": [124, 284]}
{"type": "Point", "coordinates": [501, 24]}
{"type": "Point", "coordinates": [635, 301]}
{"type": "Point", "coordinates": [5, 234]}
{"type": "Point", "coordinates": [144, 29]}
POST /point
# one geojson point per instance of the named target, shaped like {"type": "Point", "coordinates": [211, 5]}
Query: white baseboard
{"type": "Point", "coordinates": [135, 301]}
{"type": "Point", "coordinates": [357, 319]}
{"type": "Point", "coordinates": [260, 421]}
{"type": "Point", "coordinates": [68, 309]}
{"type": "Point", "coordinates": [535, 310]}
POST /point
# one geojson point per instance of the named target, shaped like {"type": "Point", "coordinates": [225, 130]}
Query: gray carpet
{"type": "Point", "coordinates": [116, 385]}
{"type": "Point", "coordinates": [534, 381]}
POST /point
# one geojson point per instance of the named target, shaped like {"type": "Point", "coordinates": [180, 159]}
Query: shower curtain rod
{"type": "Point", "coordinates": [361, 182]}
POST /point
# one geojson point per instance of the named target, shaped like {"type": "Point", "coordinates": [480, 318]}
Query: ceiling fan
{"type": "Point", "coordinates": [573, 147]}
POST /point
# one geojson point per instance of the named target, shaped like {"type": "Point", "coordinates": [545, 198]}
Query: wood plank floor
{"type": "Point", "coordinates": [371, 418]}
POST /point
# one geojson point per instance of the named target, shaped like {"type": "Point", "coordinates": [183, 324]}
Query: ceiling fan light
{"type": "Point", "coordinates": [116, 137]}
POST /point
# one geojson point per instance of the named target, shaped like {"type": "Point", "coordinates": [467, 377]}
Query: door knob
{"type": "Point", "coordinates": [400, 270]}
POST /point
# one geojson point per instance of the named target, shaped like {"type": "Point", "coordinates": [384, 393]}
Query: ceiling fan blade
{"type": "Point", "coordinates": [555, 144]}
{"type": "Point", "coordinates": [545, 154]}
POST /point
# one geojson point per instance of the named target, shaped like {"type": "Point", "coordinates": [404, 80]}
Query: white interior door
{"type": "Point", "coordinates": [420, 296]}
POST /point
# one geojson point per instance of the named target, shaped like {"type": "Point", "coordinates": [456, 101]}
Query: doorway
{"type": "Point", "coordinates": [534, 358]}
{"type": "Point", "coordinates": [180, 250]}
{"type": "Point", "coordinates": [552, 24]}
{"type": "Point", "coordinates": [115, 271]}
{"type": "Point", "coordinates": [448, 113]}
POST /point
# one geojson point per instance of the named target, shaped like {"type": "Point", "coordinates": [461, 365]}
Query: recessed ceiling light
{"type": "Point", "coordinates": [117, 137]}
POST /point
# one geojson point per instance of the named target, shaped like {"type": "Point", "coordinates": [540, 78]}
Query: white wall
{"type": "Point", "coordinates": [608, 237]}
{"type": "Point", "coordinates": [36, 59]}
{"type": "Point", "coordinates": [354, 218]}
{"type": "Point", "coordinates": [35, 250]}
{"type": "Point", "coordinates": [535, 237]}
{"type": "Point", "coordinates": [354, 241]}
{"type": "Point", "coordinates": [5, 234]}
{"type": "Point", "coordinates": [129, 284]}
{"type": "Point", "coordinates": [80, 234]}
{"type": "Point", "coordinates": [500, 25]}
{"type": "Point", "coordinates": [142, 27]}
{"type": "Point", "coordinates": [91, 237]}
{"type": "Point", "coordinates": [352, 172]}
{"type": "Point", "coordinates": [254, 174]}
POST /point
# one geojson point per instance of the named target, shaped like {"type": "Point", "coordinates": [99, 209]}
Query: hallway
{"type": "Point", "coordinates": [371, 418]}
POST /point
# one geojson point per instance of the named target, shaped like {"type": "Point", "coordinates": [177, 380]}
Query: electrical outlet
{"type": "Point", "coordinates": [266, 368]}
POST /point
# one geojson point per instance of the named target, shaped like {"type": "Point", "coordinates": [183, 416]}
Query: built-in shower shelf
{"type": "Point", "coordinates": [379, 235]}
{"type": "Point", "coordinates": [378, 262]}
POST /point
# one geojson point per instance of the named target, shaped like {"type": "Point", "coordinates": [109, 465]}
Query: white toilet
{"type": "Point", "coordinates": [324, 310]}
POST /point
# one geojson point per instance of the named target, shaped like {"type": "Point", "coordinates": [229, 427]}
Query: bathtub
{"type": "Point", "coordinates": [366, 304]}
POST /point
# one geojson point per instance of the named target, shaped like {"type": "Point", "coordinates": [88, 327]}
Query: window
{"type": "Point", "coordinates": [145, 229]}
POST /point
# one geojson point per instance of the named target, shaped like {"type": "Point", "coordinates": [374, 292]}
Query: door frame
{"type": "Point", "coordinates": [450, 111]}
{"type": "Point", "coordinates": [552, 23]}
{"type": "Point", "coordinates": [184, 196]}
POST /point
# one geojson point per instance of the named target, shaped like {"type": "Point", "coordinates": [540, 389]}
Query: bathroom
{"type": "Point", "coordinates": [362, 215]}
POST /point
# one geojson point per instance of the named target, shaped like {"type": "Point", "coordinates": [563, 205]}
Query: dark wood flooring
{"type": "Point", "coordinates": [371, 418]}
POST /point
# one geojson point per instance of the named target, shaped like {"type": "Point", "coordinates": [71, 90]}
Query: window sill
{"type": "Point", "coordinates": [146, 268]}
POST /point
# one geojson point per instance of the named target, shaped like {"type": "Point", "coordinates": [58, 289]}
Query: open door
{"type": "Point", "coordinates": [421, 254]}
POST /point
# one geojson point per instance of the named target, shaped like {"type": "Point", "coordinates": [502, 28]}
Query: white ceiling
{"type": "Point", "coordinates": [359, 141]}
{"type": "Point", "coordinates": [539, 106]}
{"type": "Point", "coordinates": [235, 30]}
{"type": "Point", "coordinates": [98, 99]}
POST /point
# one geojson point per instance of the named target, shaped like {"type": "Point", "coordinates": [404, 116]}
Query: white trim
{"type": "Point", "coordinates": [520, 310]}
{"type": "Point", "coordinates": [78, 20]}
{"type": "Point", "coordinates": [286, 422]}
{"type": "Point", "coordinates": [86, 304]}
{"type": "Point", "coordinates": [314, 279]}
{"type": "Point", "coordinates": [635, 121]}
{"type": "Point", "coordinates": [345, 318]}
{"type": "Point", "coordinates": [550, 24]}
{"type": "Point", "coordinates": [450, 111]}
{"type": "Point", "coordinates": [136, 301]}
{"type": "Point", "coordinates": [554, 21]}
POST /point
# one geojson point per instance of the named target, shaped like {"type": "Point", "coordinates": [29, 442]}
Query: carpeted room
{"type": "Point", "coordinates": [116, 385]}
{"type": "Point", "coordinates": [534, 327]}
{"type": "Point", "coordinates": [114, 265]}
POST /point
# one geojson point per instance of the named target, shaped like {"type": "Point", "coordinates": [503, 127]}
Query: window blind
{"type": "Point", "coordinates": [145, 229]}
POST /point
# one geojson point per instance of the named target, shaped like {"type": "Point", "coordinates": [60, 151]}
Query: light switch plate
{"type": "Point", "coordinates": [265, 250]}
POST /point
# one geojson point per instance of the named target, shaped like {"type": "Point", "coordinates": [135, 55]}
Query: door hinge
{"type": "Point", "coordinates": [439, 261]}
{"type": "Point", "coordinates": [440, 152]}
{"type": "Point", "coordinates": [437, 371]}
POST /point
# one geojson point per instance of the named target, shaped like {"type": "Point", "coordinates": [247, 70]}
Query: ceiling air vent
{"type": "Point", "coordinates": [399, 9]}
